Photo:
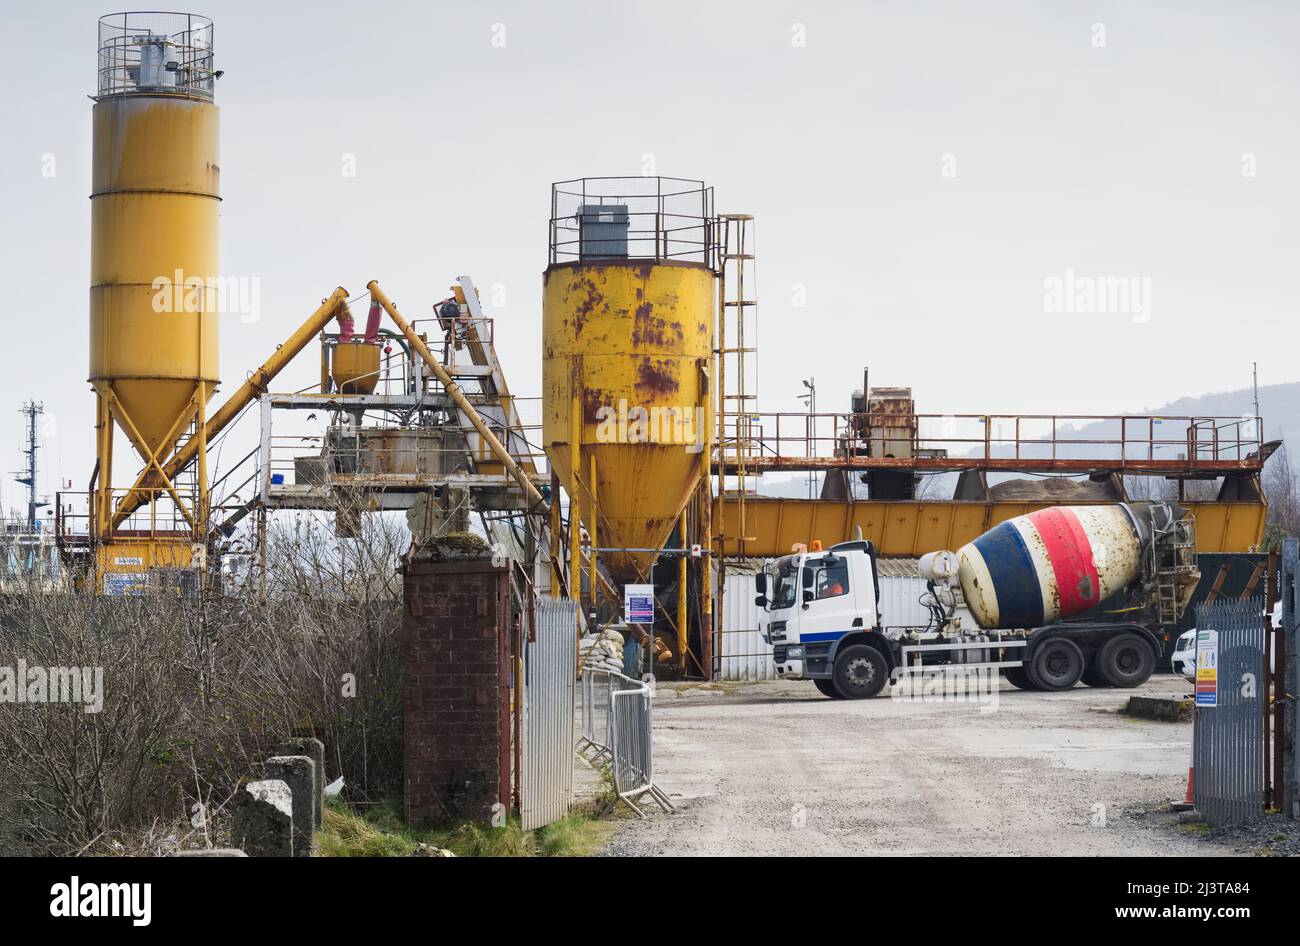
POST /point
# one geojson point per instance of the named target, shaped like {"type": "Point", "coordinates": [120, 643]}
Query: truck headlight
{"type": "Point", "coordinates": [794, 653]}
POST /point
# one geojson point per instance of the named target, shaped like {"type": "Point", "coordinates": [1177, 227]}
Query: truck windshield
{"type": "Point", "coordinates": [786, 586]}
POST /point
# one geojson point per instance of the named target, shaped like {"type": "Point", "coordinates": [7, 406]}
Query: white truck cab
{"type": "Point", "coordinates": [823, 619]}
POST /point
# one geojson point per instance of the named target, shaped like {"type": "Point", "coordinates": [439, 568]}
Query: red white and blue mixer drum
{"type": "Point", "coordinates": [1051, 564]}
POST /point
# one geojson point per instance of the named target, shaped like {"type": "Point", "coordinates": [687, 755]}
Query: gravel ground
{"type": "Point", "coordinates": [775, 768]}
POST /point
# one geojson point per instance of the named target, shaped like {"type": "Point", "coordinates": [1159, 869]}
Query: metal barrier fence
{"type": "Point", "coordinates": [546, 792]}
{"type": "Point", "coordinates": [597, 740]}
{"type": "Point", "coordinates": [618, 734]}
{"type": "Point", "coordinates": [1228, 747]}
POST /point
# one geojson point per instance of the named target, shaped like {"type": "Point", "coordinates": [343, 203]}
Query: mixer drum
{"type": "Point", "coordinates": [1055, 563]}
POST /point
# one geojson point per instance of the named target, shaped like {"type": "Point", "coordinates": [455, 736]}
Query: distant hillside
{"type": "Point", "coordinates": [1279, 406]}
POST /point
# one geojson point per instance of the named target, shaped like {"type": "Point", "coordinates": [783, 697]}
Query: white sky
{"type": "Point", "coordinates": [1122, 160]}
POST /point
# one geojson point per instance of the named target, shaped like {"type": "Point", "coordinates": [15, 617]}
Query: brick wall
{"type": "Point", "coordinates": [454, 653]}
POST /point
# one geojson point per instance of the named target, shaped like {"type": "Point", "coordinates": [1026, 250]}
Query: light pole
{"type": "Point", "coordinates": [810, 399]}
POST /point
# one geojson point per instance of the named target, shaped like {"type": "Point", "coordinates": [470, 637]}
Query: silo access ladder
{"type": "Point", "coordinates": [737, 351]}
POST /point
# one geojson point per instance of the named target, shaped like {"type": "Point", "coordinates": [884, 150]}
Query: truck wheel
{"type": "Point", "coordinates": [860, 672]}
{"type": "Point", "coordinates": [1126, 661]}
{"type": "Point", "coordinates": [1018, 678]}
{"type": "Point", "coordinates": [1057, 664]}
{"type": "Point", "coordinates": [827, 688]}
{"type": "Point", "coordinates": [1092, 676]}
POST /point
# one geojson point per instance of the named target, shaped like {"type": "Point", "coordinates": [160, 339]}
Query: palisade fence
{"type": "Point", "coordinates": [550, 656]}
{"type": "Point", "coordinates": [618, 735]}
{"type": "Point", "coordinates": [1228, 746]}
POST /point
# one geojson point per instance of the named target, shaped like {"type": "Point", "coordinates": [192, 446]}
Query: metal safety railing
{"type": "Point", "coordinates": [633, 218]}
{"type": "Point", "coordinates": [156, 53]}
{"type": "Point", "coordinates": [618, 735]}
{"type": "Point", "coordinates": [800, 441]}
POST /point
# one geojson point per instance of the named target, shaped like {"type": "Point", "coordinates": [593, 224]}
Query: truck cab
{"type": "Point", "coordinates": [824, 620]}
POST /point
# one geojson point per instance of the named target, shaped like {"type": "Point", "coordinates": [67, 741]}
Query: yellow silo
{"type": "Point", "coordinates": [154, 271]}
{"type": "Point", "coordinates": [628, 312]}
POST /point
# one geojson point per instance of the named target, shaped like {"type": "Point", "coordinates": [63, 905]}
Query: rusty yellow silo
{"type": "Point", "coordinates": [628, 312]}
{"type": "Point", "coordinates": [154, 271]}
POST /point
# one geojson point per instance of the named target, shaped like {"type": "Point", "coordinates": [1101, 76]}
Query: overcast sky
{"type": "Point", "coordinates": [919, 172]}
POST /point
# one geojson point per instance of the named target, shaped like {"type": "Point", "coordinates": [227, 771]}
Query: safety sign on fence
{"type": "Point", "coordinates": [639, 604]}
{"type": "Point", "coordinates": [1207, 668]}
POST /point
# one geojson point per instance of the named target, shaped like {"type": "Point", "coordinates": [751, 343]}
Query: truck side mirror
{"type": "Point", "coordinates": [807, 597]}
{"type": "Point", "coordinates": [760, 600]}
{"type": "Point", "coordinates": [807, 577]}
{"type": "Point", "coordinates": [760, 583]}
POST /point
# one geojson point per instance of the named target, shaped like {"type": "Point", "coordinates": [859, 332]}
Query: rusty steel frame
{"type": "Point", "coordinates": [1230, 449]}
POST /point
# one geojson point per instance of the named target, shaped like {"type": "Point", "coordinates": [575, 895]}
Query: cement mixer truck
{"type": "Point", "coordinates": [1049, 599]}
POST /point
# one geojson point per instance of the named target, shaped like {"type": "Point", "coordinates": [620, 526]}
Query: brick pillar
{"type": "Point", "coordinates": [454, 651]}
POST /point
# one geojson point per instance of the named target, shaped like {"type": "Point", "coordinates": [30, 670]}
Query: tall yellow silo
{"type": "Point", "coordinates": [154, 272]}
{"type": "Point", "coordinates": [628, 312]}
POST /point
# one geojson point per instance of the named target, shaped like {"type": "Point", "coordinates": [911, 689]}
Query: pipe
{"type": "Point", "coordinates": [346, 324]}
{"type": "Point", "coordinates": [372, 322]}
{"type": "Point", "coordinates": [253, 387]}
{"type": "Point", "coordinates": [458, 397]}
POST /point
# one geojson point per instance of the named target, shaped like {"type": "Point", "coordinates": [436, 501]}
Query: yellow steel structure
{"type": "Point", "coordinates": [910, 529]}
{"type": "Point", "coordinates": [626, 413]}
{"type": "Point", "coordinates": [354, 367]}
{"type": "Point", "coordinates": [153, 298]}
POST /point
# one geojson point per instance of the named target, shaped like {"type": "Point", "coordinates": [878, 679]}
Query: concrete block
{"type": "Point", "coordinates": [262, 819]}
{"type": "Point", "coordinates": [313, 749]}
{"type": "Point", "coordinates": [1159, 708]}
{"type": "Point", "coordinates": [299, 773]}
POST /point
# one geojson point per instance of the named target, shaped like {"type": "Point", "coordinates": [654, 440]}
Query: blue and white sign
{"type": "Point", "coordinates": [639, 604]}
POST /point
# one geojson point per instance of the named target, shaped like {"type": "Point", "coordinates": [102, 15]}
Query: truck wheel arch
{"type": "Point", "coordinates": [870, 639]}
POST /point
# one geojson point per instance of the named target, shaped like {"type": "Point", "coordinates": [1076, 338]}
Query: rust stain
{"type": "Point", "coordinates": [593, 399]}
{"type": "Point", "coordinates": [585, 285]}
{"type": "Point", "coordinates": [657, 377]}
{"type": "Point", "coordinates": [650, 330]}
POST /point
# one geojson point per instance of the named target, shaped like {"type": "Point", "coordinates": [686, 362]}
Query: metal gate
{"type": "Point", "coordinates": [1228, 751]}
{"type": "Point", "coordinates": [550, 662]}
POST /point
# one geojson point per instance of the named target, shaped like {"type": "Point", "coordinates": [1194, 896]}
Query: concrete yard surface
{"type": "Point", "coordinates": [775, 768]}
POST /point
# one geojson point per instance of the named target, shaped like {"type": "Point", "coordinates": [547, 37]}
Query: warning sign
{"type": "Point", "coordinates": [1207, 668]}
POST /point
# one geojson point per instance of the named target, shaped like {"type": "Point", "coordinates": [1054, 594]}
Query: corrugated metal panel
{"type": "Point", "coordinates": [746, 657]}
{"type": "Point", "coordinates": [549, 665]}
{"type": "Point", "coordinates": [1228, 743]}
{"type": "Point", "coordinates": [898, 567]}
{"type": "Point", "coordinates": [900, 604]}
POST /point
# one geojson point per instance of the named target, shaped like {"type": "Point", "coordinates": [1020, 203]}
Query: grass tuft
{"type": "Point", "coordinates": [381, 832]}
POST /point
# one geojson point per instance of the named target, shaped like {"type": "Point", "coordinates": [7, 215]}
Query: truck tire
{"type": "Point", "coordinates": [1093, 678]}
{"type": "Point", "coordinates": [1018, 678]}
{"type": "Point", "coordinates": [1126, 661]}
{"type": "Point", "coordinates": [860, 672]}
{"type": "Point", "coordinates": [1056, 664]}
{"type": "Point", "coordinates": [827, 688]}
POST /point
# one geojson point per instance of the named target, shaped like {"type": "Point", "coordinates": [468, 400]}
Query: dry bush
{"type": "Point", "coordinates": [1282, 491]}
{"type": "Point", "coordinates": [198, 690]}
